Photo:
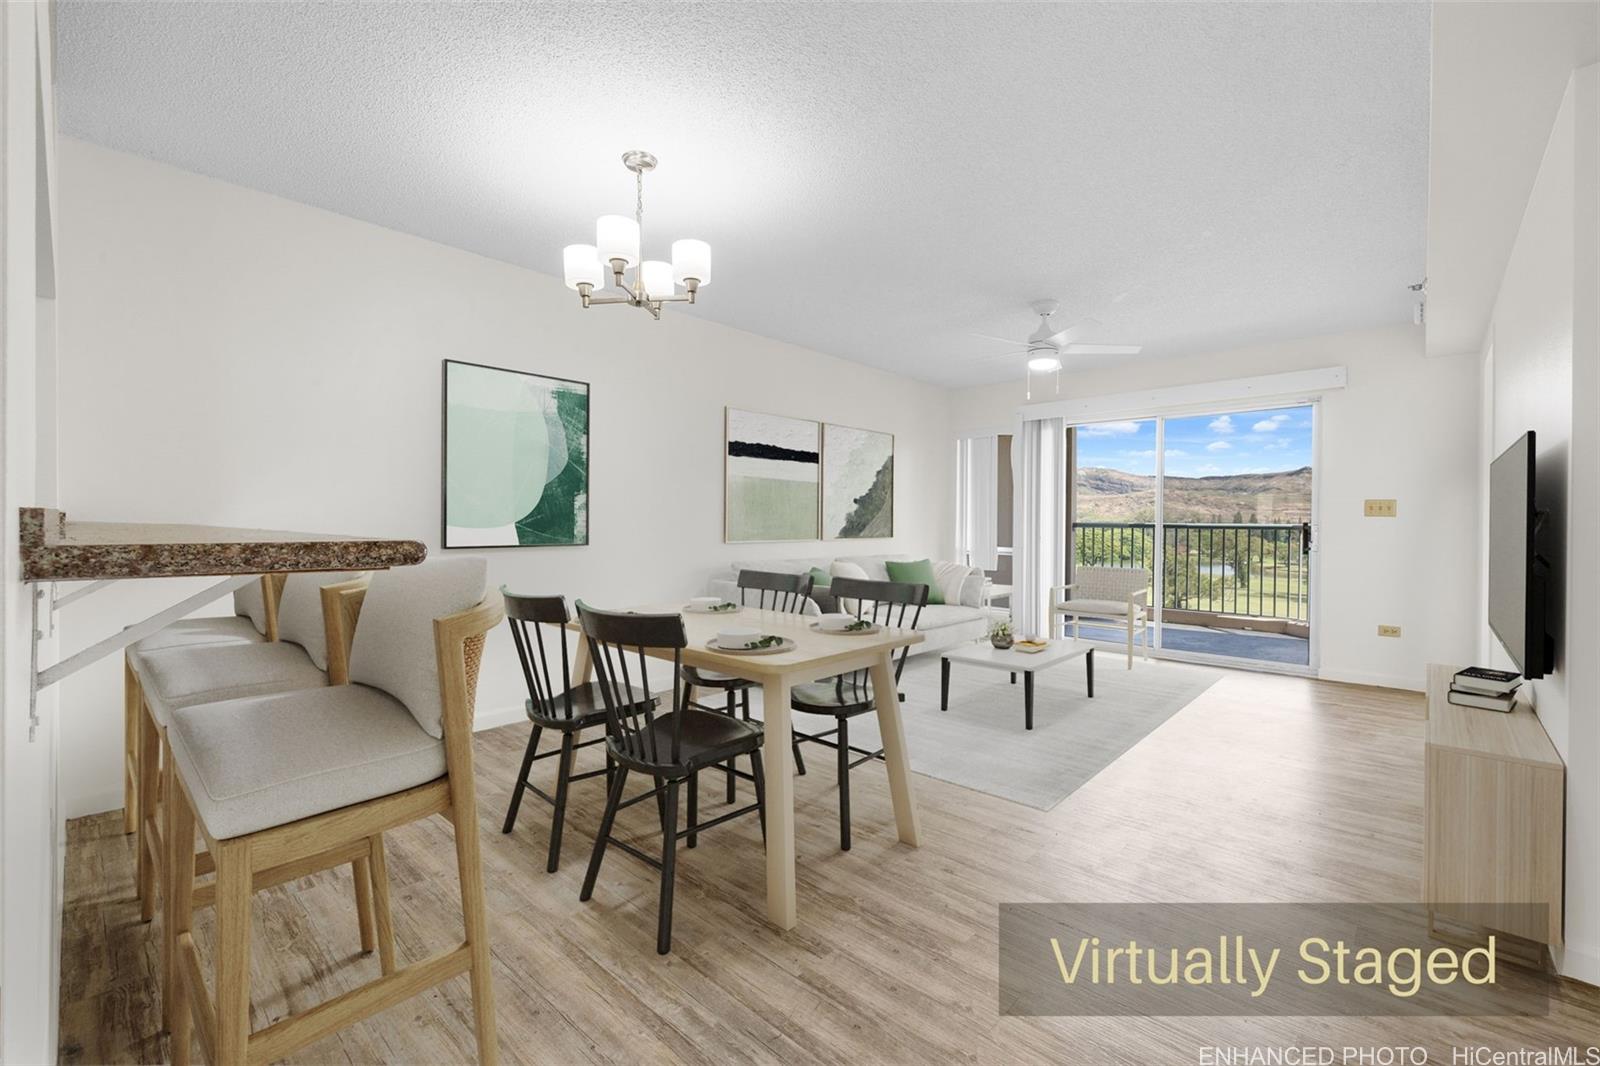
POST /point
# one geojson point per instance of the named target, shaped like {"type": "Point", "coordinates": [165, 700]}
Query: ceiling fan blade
{"type": "Point", "coordinates": [992, 337]}
{"type": "Point", "coordinates": [999, 355]}
{"type": "Point", "coordinates": [1103, 349]}
{"type": "Point", "coordinates": [1065, 336]}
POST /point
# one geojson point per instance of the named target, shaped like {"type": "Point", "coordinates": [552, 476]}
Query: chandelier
{"type": "Point", "coordinates": [616, 249]}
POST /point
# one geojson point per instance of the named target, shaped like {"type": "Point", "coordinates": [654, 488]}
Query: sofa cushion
{"type": "Point", "coordinates": [264, 761]}
{"type": "Point", "coordinates": [778, 566]}
{"type": "Point", "coordinates": [937, 616]}
{"type": "Point", "coordinates": [182, 677]}
{"type": "Point", "coordinates": [393, 648]}
{"type": "Point", "coordinates": [1116, 608]}
{"type": "Point", "coordinates": [300, 613]}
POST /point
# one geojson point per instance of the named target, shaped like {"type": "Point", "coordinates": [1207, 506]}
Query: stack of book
{"type": "Point", "coordinates": [1478, 686]}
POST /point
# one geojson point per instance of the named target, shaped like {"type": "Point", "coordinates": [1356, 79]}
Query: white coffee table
{"type": "Point", "coordinates": [1016, 662]}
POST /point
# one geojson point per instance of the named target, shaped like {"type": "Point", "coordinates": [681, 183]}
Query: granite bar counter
{"type": "Point", "coordinates": [55, 549]}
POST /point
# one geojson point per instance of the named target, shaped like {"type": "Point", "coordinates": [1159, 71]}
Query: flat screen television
{"type": "Point", "coordinates": [1517, 573]}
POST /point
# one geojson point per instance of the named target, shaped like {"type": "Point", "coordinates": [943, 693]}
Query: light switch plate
{"type": "Point", "coordinates": [1388, 631]}
{"type": "Point", "coordinates": [1382, 508]}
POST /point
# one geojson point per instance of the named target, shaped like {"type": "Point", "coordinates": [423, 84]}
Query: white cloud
{"type": "Point", "coordinates": [1266, 425]}
{"type": "Point", "coordinates": [1222, 424]}
{"type": "Point", "coordinates": [1218, 446]}
{"type": "Point", "coordinates": [1109, 429]}
{"type": "Point", "coordinates": [1150, 453]}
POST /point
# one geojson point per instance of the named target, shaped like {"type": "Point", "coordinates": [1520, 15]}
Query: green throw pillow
{"type": "Point", "coordinates": [820, 578]}
{"type": "Point", "coordinates": [917, 573]}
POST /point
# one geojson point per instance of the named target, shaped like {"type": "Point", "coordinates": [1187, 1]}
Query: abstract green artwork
{"type": "Point", "coordinates": [516, 458]}
{"type": "Point", "coordinates": [857, 483]}
{"type": "Point", "coordinates": [772, 480]}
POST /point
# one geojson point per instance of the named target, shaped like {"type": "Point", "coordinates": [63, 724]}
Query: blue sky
{"type": "Point", "coordinates": [1202, 445]}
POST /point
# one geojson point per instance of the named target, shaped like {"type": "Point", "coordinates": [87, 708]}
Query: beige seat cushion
{"type": "Point", "coordinates": [1114, 608]}
{"type": "Point", "coordinates": [251, 764]}
{"type": "Point", "coordinates": [183, 677]}
{"type": "Point", "coordinates": [300, 613]}
{"type": "Point", "coordinates": [192, 633]}
{"type": "Point", "coordinates": [829, 693]}
{"type": "Point", "coordinates": [393, 648]}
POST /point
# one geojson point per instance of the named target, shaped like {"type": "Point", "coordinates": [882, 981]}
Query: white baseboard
{"type": "Point", "coordinates": [495, 717]}
{"type": "Point", "coordinates": [1577, 964]}
{"type": "Point", "coordinates": [1361, 677]}
{"type": "Point", "coordinates": [93, 803]}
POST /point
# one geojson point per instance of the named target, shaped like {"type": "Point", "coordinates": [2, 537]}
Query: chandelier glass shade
{"type": "Point", "coordinates": [598, 272]}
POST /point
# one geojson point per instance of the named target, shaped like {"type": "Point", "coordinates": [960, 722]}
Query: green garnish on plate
{"type": "Point", "coordinates": [768, 641]}
{"type": "Point", "coordinates": [724, 606]}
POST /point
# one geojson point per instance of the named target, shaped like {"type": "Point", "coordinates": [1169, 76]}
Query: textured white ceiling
{"type": "Point", "coordinates": [877, 181]}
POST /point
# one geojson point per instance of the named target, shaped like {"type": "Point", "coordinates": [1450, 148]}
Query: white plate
{"type": "Point", "coordinates": [785, 645]}
{"type": "Point", "coordinates": [867, 632]}
{"type": "Point", "coordinates": [691, 608]}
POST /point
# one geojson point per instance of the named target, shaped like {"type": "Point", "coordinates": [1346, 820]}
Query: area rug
{"type": "Point", "coordinates": [979, 743]}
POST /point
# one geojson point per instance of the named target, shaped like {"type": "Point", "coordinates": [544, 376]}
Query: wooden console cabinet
{"type": "Point", "coordinates": [1495, 806]}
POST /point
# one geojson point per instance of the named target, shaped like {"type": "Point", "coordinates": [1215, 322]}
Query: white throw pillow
{"type": "Point", "coordinates": [300, 613]}
{"type": "Point", "coordinates": [393, 648]}
{"type": "Point", "coordinates": [841, 568]}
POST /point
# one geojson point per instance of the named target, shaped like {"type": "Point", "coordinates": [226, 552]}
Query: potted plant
{"type": "Point", "coordinates": [1000, 634]}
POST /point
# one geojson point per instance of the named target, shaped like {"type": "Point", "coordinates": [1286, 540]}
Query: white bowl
{"type": "Point", "coordinates": [738, 638]}
{"type": "Point", "coordinates": [705, 601]}
{"type": "Point", "coordinates": [835, 623]}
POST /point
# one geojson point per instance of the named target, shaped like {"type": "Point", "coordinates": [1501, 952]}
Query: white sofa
{"type": "Point", "coordinates": [959, 619]}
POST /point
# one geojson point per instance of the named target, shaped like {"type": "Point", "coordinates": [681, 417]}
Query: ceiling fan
{"type": "Point", "coordinates": [1046, 345]}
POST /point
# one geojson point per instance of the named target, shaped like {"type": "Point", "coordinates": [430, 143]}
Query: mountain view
{"type": "Point", "coordinates": [1106, 495]}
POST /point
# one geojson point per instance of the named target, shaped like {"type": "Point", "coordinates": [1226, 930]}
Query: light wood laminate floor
{"type": "Point", "coordinates": [1265, 789]}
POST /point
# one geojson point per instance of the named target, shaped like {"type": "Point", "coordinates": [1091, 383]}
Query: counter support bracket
{"type": "Point", "coordinates": [42, 679]}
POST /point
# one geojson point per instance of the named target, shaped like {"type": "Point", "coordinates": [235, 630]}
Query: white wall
{"type": "Point", "coordinates": [1541, 355]}
{"type": "Point", "coordinates": [31, 849]}
{"type": "Point", "coordinates": [233, 358]}
{"type": "Point", "coordinates": [1404, 428]}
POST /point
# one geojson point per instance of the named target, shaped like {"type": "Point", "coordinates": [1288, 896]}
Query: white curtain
{"type": "Point", "coordinates": [1038, 460]}
{"type": "Point", "coordinates": [977, 502]}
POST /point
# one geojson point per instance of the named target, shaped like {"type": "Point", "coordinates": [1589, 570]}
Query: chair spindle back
{"type": "Point", "coordinates": [619, 646]}
{"type": "Point", "coordinates": [785, 593]}
{"type": "Point", "coordinates": [884, 603]}
{"type": "Point", "coordinates": [549, 695]}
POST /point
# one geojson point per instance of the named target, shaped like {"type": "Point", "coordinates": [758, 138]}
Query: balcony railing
{"type": "Point", "coordinates": [1243, 570]}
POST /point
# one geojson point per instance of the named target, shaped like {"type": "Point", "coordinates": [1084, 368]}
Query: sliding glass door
{"type": "Point", "coordinates": [1217, 509]}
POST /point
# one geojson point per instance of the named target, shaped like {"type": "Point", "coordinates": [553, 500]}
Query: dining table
{"type": "Point", "coordinates": [814, 656]}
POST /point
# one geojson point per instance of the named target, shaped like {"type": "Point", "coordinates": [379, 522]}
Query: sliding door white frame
{"type": "Point", "coordinates": [1240, 404]}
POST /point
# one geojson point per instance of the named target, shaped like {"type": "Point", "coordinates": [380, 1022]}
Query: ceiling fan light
{"type": "Point", "coordinates": [617, 237]}
{"type": "Point", "coordinates": [580, 265]}
{"type": "Point", "coordinates": [691, 259]}
{"type": "Point", "coordinates": [657, 277]}
{"type": "Point", "coordinates": [1043, 362]}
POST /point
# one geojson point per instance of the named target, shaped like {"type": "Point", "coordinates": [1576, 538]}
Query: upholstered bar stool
{"type": "Point", "coordinates": [276, 781]}
{"type": "Point", "coordinates": [254, 620]}
{"type": "Point", "coordinates": [184, 675]}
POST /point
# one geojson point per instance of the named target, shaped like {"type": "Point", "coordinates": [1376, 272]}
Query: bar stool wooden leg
{"type": "Point", "coordinates": [131, 700]}
{"type": "Point", "coordinates": [474, 910]}
{"type": "Point", "coordinates": [234, 887]}
{"type": "Point", "coordinates": [170, 925]}
{"type": "Point", "coordinates": [149, 777]}
{"type": "Point", "coordinates": [361, 871]}
{"type": "Point", "coordinates": [179, 897]}
{"type": "Point", "coordinates": [378, 864]}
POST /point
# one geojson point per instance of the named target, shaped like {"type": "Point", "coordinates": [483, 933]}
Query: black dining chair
{"type": "Point", "coordinates": [554, 703]}
{"type": "Point", "coordinates": [672, 747]}
{"type": "Point", "coordinates": [894, 604]}
{"type": "Point", "coordinates": [785, 593]}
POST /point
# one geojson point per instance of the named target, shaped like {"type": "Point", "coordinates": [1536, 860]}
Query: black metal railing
{"type": "Point", "coordinates": [1252, 570]}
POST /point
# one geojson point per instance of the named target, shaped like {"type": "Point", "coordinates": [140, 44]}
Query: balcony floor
{"type": "Point", "coordinates": [1235, 643]}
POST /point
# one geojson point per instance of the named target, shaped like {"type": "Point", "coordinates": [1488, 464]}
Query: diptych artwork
{"type": "Point", "coordinates": [857, 483]}
{"type": "Point", "coordinates": [516, 458]}
{"type": "Point", "coordinates": [772, 470]}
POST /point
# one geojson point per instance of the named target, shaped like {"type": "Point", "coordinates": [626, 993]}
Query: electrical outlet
{"type": "Point", "coordinates": [1381, 509]}
{"type": "Point", "coordinates": [1388, 631]}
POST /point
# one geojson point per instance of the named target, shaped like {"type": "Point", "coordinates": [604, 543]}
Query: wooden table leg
{"type": "Point", "coordinates": [582, 668]}
{"type": "Point", "coordinates": [780, 801]}
{"type": "Point", "coordinates": [894, 750]}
